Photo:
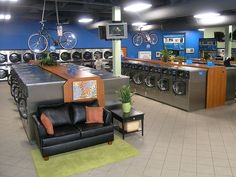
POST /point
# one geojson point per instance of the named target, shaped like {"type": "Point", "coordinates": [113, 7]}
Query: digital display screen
{"type": "Point", "coordinates": [116, 31]}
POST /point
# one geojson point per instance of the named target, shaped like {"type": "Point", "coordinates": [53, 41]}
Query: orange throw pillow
{"type": "Point", "coordinates": [47, 124]}
{"type": "Point", "coordinates": [94, 115]}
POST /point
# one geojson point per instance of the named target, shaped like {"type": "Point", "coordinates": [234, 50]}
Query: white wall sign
{"type": "Point", "coordinates": [158, 54]}
{"type": "Point", "coordinates": [147, 55]}
{"type": "Point", "coordinates": [189, 50]}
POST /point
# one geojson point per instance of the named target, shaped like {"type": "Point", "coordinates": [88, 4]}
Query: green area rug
{"type": "Point", "coordinates": [75, 162]}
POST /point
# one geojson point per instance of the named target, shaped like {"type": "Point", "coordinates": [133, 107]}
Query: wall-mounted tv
{"type": "Point", "coordinates": [116, 31]}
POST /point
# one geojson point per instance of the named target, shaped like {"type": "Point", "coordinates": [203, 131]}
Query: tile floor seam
{"type": "Point", "coordinates": [211, 151]}
{"type": "Point", "coordinates": [168, 147]}
{"type": "Point", "coordinates": [163, 120]}
{"type": "Point", "coordinates": [226, 151]}
{"type": "Point", "coordinates": [181, 156]}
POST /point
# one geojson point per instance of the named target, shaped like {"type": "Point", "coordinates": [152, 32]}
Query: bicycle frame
{"type": "Point", "coordinates": [44, 31]}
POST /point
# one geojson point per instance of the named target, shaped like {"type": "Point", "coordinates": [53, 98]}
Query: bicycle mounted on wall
{"type": "Point", "coordinates": [38, 42]}
{"type": "Point", "coordinates": [143, 36]}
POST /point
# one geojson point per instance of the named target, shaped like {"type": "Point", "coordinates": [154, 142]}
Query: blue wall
{"type": "Point", "coordinates": [14, 35]}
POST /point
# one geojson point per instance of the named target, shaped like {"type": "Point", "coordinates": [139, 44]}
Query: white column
{"type": "Point", "coordinates": [116, 44]}
{"type": "Point", "coordinates": [228, 42]}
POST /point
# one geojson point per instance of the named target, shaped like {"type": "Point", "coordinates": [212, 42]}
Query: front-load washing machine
{"type": "Point", "coordinates": [4, 57]}
{"type": "Point", "coordinates": [164, 85]}
{"type": "Point", "coordinates": [28, 56]}
{"type": "Point", "coordinates": [15, 56]}
{"type": "Point", "coordinates": [180, 87]}
{"type": "Point", "coordinates": [77, 55]}
{"type": "Point", "coordinates": [55, 55]}
{"type": "Point", "coordinates": [151, 82]}
{"type": "Point", "coordinates": [139, 78]}
{"type": "Point", "coordinates": [65, 55]}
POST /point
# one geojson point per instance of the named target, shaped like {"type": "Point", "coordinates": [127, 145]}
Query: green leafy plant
{"type": "Point", "coordinates": [125, 94]}
{"type": "Point", "coordinates": [48, 61]}
{"type": "Point", "coordinates": [180, 59]}
{"type": "Point", "coordinates": [165, 55]}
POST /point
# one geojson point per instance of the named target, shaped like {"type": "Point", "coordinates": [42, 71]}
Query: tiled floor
{"type": "Point", "coordinates": [176, 143]}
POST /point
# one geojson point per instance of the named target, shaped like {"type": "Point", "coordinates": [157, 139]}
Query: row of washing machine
{"type": "Point", "coordinates": [9, 57]}
{"type": "Point", "coordinates": [181, 87]}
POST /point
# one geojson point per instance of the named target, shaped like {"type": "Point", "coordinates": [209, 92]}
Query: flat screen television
{"type": "Point", "coordinates": [116, 31]}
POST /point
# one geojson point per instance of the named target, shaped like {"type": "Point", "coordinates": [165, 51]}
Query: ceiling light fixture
{"type": "Point", "coordinates": [137, 7]}
{"type": "Point", "coordinates": [5, 16]}
{"type": "Point", "coordinates": [8, 0]}
{"type": "Point", "coordinates": [139, 24]}
{"type": "Point", "coordinates": [85, 20]}
{"type": "Point", "coordinates": [212, 20]}
{"type": "Point", "coordinates": [206, 15]}
{"type": "Point", "coordinates": [201, 29]}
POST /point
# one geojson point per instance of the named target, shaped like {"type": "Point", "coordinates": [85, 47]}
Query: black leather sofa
{"type": "Point", "coordinates": [70, 130]}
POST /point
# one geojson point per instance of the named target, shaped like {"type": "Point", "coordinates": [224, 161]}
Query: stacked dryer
{"type": "Point", "coordinates": [4, 69]}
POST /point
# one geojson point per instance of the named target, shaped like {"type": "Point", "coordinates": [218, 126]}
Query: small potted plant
{"type": "Point", "coordinates": [180, 59]}
{"type": "Point", "coordinates": [48, 61]}
{"type": "Point", "coordinates": [165, 55]}
{"type": "Point", "coordinates": [125, 95]}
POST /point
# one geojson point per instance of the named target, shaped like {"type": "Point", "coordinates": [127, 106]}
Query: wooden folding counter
{"type": "Point", "coordinates": [216, 80]}
{"type": "Point", "coordinates": [62, 71]}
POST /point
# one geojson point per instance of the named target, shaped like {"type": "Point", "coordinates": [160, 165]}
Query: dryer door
{"type": "Point", "coordinates": [76, 56]}
{"type": "Point", "coordinates": [163, 84]}
{"type": "Point", "coordinates": [87, 55]}
{"type": "Point", "coordinates": [65, 56]}
{"type": "Point", "coordinates": [97, 55]}
{"type": "Point", "coordinates": [15, 57]}
{"type": "Point", "coordinates": [3, 58]}
{"type": "Point", "coordinates": [179, 87]}
{"type": "Point", "coordinates": [40, 56]}
{"type": "Point", "coordinates": [150, 81]}
{"type": "Point", "coordinates": [54, 56]}
{"type": "Point", "coordinates": [27, 57]}
{"type": "Point", "coordinates": [3, 73]}
{"type": "Point", "coordinates": [107, 54]}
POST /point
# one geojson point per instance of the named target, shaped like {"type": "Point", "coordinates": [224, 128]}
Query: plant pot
{"type": "Point", "coordinates": [126, 107]}
{"type": "Point", "coordinates": [180, 62]}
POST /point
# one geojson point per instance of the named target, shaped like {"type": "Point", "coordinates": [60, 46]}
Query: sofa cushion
{"type": "Point", "coordinates": [47, 124]}
{"type": "Point", "coordinates": [78, 110]}
{"type": "Point", "coordinates": [62, 134]}
{"type": "Point", "coordinates": [90, 130]}
{"type": "Point", "coordinates": [58, 115]}
{"type": "Point", "coordinates": [94, 115]}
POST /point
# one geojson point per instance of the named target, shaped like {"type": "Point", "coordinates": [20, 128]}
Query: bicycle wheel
{"type": "Point", "coordinates": [37, 43]}
{"type": "Point", "coordinates": [153, 39]}
{"type": "Point", "coordinates": [137, 39]}
{"type": "Point", "coordinates": [68, 40]}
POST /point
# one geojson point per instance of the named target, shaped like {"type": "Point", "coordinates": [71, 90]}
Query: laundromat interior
{"type": "Point", "coordinates": [141, 88]}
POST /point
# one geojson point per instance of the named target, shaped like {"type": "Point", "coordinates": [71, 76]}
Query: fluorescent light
{"type": "Point", "coordinates": [206, 15]}
{"type": "Point", "coordinates": [201, 29]}
{"type": "Point", "coordinates": [5, 16]}
{"type": "Point", "coordinates": [85, 20]}
{"type": "Point", "coordinates": [8, 0]}
{"type": "Point", "coordinates": [139, 24]}
{"type": "Point", "coordinates": [212, 20]}
{"type": "Point", "coordinates": [137, 7]}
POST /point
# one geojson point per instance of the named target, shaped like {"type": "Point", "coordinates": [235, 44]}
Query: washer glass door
{"type": "Point", "coordinates": [3, 58]}
{"type": "Point", "coordinates": [179, 87]}
{"type": "Point", "coordinates": [150, 81]}
{"type": "Point", "coordinates": [3, 73]}
{"type": "Point", "coordinates": [138, 78]}
{"type": "Point", "coordinates": [163, 84]}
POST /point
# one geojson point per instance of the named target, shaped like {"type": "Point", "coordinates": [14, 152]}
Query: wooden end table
{"type": "Point", "coordinates": [122, 117]}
